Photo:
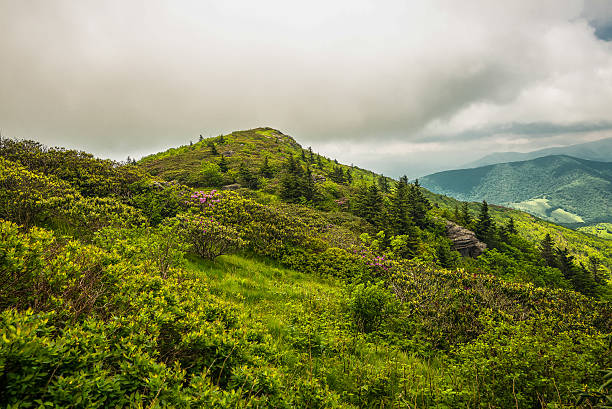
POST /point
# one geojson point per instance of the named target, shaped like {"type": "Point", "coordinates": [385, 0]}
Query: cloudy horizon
{"type": "Point", "coordinates": [393, 86]}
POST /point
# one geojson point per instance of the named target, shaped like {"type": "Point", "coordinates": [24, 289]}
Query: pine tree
{"type": "Point", "coordinates": [383, 184]}
{"type": "Point", "coordinates": [597, 271]}
{"type": "Point", "coordinates": [247, 178]}
{"type": "Point", "coordinates": [319, 162]}
{"type": "Point", "coordinates": [578, 276]}
{"type": "Point", "coordinates": [311, 155]}
{"type": "Point", "coordinates": [444, 255]}
{"type": "Point", "coordinates": [308, 185]}
{"type": "Point", "coordinates": [466, 218]}
{"type": "Point", "coordinates": [547, 250]}
{"type": "Point", "coordinates": [399, 213]}
{"type": "Point", "coordinates": [303, 156]}
{"type": "Point", "coordinates": [296, 185]}
{"type": "Point", "coordinates": [419, 205]}
{"type": "Point", "coordinates": [371, 206]}
{"type": "Point", "coordinates": [223, 164]}
{"type": "Point", "coordinates": [337, 175]}
{"type": "Point", "coordinates": [456, 214]}
{"type": "Point", "coordinates": [213, 148]}
{"type": "Point", "coordinates": [348, 177]}
{"type": "Point", "coordinates": [220, 139]}
{"type": "Point", "coordinates": [266, 170]}
{"type": "Point", "coordinates": [510, 227]}
{"type": "Point", "coordinates": [201, 138]}
{"type": "Point", "coordinates": [485, 227]}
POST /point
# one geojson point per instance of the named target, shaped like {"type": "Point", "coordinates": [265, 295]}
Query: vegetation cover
{"type": "Point", "coordinates": [563, 189]}
{"type": "Point", "coordinates": [314, 285]}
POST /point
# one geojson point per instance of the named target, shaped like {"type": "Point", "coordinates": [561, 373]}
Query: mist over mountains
{"type": "Point", "coordinates": [600, 150]}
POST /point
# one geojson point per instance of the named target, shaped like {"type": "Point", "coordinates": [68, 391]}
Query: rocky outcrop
{"type": "Point", "coordinates": [234, 186]}
{"type": "Point", "coordinates": [464, 240]}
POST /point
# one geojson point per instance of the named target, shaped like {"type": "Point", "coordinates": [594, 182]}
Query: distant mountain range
{"type": "Point", "coordinates": [600, 150]}
{"type": "Point", "coordinates": [563, 189]}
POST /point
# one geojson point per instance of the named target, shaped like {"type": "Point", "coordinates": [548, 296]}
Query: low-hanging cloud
{"type": "Point", "coordinates": [133, 77]}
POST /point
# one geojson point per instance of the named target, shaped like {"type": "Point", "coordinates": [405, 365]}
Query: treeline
{"type": "Point", "coordinates": [544, 263]}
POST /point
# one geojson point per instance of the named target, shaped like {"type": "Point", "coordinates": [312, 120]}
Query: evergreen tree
{"type": "Point", "coordinates": [319, 162]}
{"type": "Point", "coordinates": [296, 185]}
{"type": "Point", "coordinates": [201, 138]}
{"type": "Point", "coordinates": [597, 271]}
{"type": "Point", "coordinates": [510, 227]}
{"type": "Point", "coordinates": [419, 205]}
{"type": "Point", "coordinates": [223, 164]}
{"type": "Point", "coordinates": [547, 250]}
{"type": "Point", "coordinates": [337, 174]}
{"type": "Point", "coordinates": [399, 213]}
{"type": "Point", "coordinates": [369, 205]}
{"type": "Point", "coordinates": [308, 185]}
{"type": "Point", "coordinates": [485, 227]}
{"type": "Point", "coordinates": [456, 214]}
{"type": "Point", "coordinates": [383, 184]}
{"type": "Point", "coordinates": [466, 218]}
{"type": "Point", "coordinates": [247, 178]}
{"type": "Point", "coordinates": [213, 148]}
{"type": "Point", "coordinates": [310, 155]}
{"type": "Point", "coordinates": [221, 139]}
{"type": "Point", "coordinates": [266, 170]}
{"type": "Point", "coordinates": [578, 276]}
{"type": "Point", "coordinates": [444, 255]}
{"type": "Point", "coordinates": [303, 156]}
{"type": "Point", "coordinates": [348, 177]}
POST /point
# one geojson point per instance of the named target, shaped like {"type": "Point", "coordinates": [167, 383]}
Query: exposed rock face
{"type": "Point", "coordinates": [464, 240]}
{"type": "Point", "coordinates": [234, 186]}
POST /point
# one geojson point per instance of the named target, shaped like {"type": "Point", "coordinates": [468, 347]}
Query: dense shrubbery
{"type": "Point", "coordinates": [101, 305]}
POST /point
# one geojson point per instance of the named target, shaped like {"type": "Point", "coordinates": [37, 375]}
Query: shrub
{"type": "Point", "coordinates": [369, 306]}
{"type": "Point", "coordinates": [209, 238]}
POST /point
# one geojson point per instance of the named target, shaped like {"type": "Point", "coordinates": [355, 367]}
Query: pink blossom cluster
{"type": "Point", "coordinates": [341, 202]}
{"type": "Point", "coordinates": [379, 262]}
{"type": "Point", "coordinates": [203, 198]}
{"type": "Point", "coordinates": [371, 260]}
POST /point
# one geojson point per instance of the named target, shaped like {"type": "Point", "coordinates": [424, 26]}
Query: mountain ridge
{"type": "Point", "coordinates": [600, 150]}
{"type": "Point", "coordinates": [559, 188]}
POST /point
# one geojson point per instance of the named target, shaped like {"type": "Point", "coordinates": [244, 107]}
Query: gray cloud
{"type": "Point", "coordinates": [132, 77]}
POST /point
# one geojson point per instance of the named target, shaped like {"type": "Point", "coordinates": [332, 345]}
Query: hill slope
{"type": "Point", "coordinates": [598, 151]}
{"type": "Point", "coordinates": [202, 164]}
{"type": "Point", "coordinates": [561, 189]}
{"type": "Point", "coordinates": [118, 289]}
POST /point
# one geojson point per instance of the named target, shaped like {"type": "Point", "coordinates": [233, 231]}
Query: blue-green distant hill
{"type": "Point", "coordinates": [600, 150]}
{"type": "Point", "coordinates": [562, 189]}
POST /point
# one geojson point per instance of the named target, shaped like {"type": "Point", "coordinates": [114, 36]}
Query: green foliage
{"type": "Point", "coordinates": [209, 175]}
{"type": "Point", "coordinates": [114, 294]}
{"type": "Point", "coordinates": [571, 360]}
{"type": "Point", "coordinates": [369, 305]}
{"type": "Point", "coordinates": [209, 238]}
{"type": "Point", "coordinates": [560, 189]}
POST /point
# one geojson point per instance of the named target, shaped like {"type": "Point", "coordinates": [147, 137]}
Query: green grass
{"type": "Point", "coordinates": [305, 316]}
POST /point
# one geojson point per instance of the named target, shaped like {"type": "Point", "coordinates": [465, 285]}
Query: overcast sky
{"type": "Point", "coordinates": [395, 86]}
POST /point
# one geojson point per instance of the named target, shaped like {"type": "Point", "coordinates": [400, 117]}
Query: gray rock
{"type": "Point", "coordinates": [234, 186]}
{"type": "Point", "coordinates": [464, 240]}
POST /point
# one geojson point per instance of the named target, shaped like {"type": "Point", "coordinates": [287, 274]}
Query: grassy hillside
{"type": "Point", "coordinates": [119, 289]}
{"type": "Point", "coordinates": [197, 165]}
{"type": "Point", "coordinates": [565, 190]}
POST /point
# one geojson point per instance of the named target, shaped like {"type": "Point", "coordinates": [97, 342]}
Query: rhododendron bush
{"type": "Point", "coordinates": [209, 238]}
